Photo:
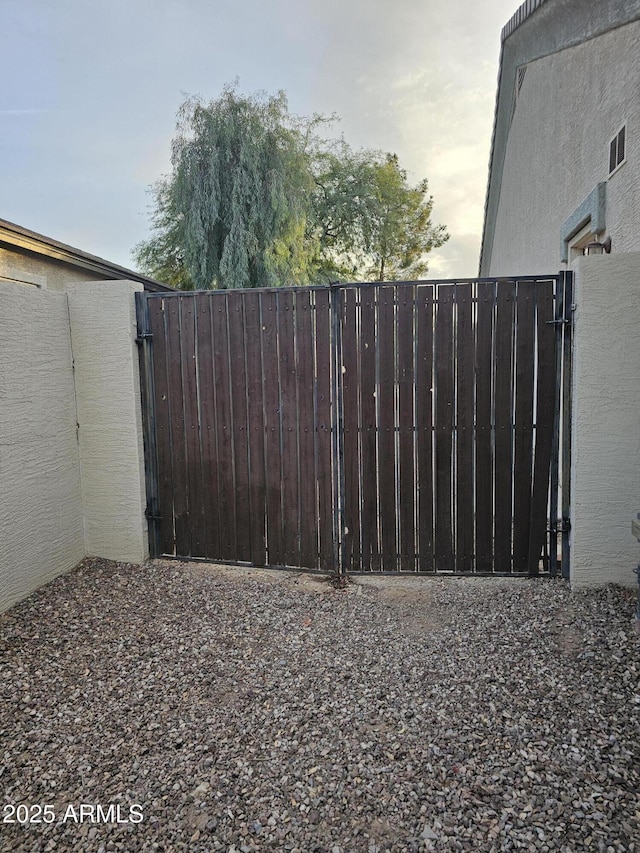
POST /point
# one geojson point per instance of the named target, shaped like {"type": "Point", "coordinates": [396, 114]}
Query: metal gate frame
{"type": "Point", "coordinates": [555, 557]}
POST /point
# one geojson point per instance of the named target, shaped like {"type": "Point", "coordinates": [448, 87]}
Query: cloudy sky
{"type": "Point", "coordinates": [89, 93]}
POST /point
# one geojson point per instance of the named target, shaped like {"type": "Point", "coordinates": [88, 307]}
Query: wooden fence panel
{"type": "Point", "coordinates": [503, 419]}
{"type": "Point", "coordinates": [255, 427]}
{"type": "Point", "coordinates": [546, 337]}
{"type": "Point", "coordinates": [239, 437]}
{"type": "Point", "coordinates": [306, 430]}
{"type": "Point", "coordinates": [324, 402]}
{"type": "Point", "coordinates": [178, 445]}
{"type": "Point", "coordinates": [371, 557]}
{"type": "Point", "coordinates": [222, 380]}
{"type": "Point", "coordinates": [406, 427]}
{"type": "Point", "coordinates": [351, 455]}
{"type": "Point", "coordinates": [464, 428]}
{"type": "Point", "coordinates": [208, 426]}
{"type": "Point", "coordinates": [275, 548]}
{"type": "Point", "coordinates": [386, 426]}
{"type": "Point", "coordinates": [289, 428]}
{"type": "Point", "coordinates": [424, 415]}
{"type": "Point", "coordinates": [523, 423]}
{"type": "Point", "coordinates": [483, 435]}
{"type": "Point", "coordinates": [194, 541]}
{"type": "Point", "coordinates": [445, 400]}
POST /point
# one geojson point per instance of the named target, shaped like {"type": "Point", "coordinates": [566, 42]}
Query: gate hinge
{"type": "Point", "coordinates": [563, 525]}
{"type": "Point", "coordinates": [562, 322]}
{"type": "Point", "coordinates": [143, 336]}
{"type": "Point", "coordinates": [151, 515]}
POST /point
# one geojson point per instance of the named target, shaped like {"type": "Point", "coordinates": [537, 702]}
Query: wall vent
{"type": "Point", "coordinates": [617, 148]}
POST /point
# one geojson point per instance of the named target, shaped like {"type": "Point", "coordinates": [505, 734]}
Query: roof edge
{"type": "Point", "coordinates": [31, 241]}
{"type": "Point", "coordinates": [519, 17]}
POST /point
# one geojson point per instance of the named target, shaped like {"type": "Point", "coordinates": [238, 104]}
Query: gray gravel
{"type": "Point", "coordinates": [246, 710]}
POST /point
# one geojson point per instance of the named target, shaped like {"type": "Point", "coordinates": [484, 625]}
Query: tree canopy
{"type": "Point", "coordinates": [373, 225]}
{"type": "Point", "coordinates": [256, 198]}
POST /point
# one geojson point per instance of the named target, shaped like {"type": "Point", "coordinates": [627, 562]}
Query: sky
{"type": "Point", "coordinates": [89, 93]}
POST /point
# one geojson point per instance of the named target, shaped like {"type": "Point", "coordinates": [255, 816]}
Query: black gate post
{"type": "Point", "coordinates": [561, 453]}
{"type": "Point", "coordinates": [145, 357]}
{"type": "Point", "coordinates": [554, 484]}
{"type": "Point", "coordinates": [567, 352]}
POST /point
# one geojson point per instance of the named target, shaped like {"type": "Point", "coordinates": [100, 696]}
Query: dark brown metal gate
{"type": "Point", "coordinates": [405, 427]}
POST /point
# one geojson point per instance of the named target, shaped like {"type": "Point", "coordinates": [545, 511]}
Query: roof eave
{"type": "Point", "coordinates": [18, 237]}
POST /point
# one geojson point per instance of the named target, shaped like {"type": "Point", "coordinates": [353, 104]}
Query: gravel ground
{"type": "Point", "coordinates": [246, 710]}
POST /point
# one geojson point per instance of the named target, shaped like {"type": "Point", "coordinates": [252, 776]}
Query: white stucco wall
{"type": "Point", "coordinates": [606, 420]}
{"type": "Point", "coordinates": [41, 532]}
{"type": "Point", "coordinates": [71, 453]}
{"type": "Point", "coordinates": [570, 106]}
{"type": "Point", "coordinates": [103, 331]}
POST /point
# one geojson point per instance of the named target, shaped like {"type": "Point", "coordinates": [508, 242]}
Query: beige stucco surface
{"type": "Point", "coordinates": [41, 529]}
{"type": "Point", "coordinates": [28, 268]}
{"type": "Point", "coordinates": [571, 104]}
{"type": "Point", "coordinates": [606, 420]}
{"type": "Point", "coordinates": [71, 452]}
{"type": "Point", "coordinates": [103, 330]}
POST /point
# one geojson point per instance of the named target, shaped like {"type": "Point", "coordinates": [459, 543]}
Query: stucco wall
{"type": "Point", "coordinates": [48, 273]}
{"type": "Point", "coordinates": [41, 533]}
{"type": "Point", "coordinates": [571, 104]}
{"type": "Point", "coordinates": [103, 330]}
{"type": "Point", "coordinates": [71, 454]}
{"type": "Point", "coordinates": [606, 420]}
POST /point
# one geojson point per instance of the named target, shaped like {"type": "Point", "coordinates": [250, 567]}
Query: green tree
{"type": "Point", "coordinates": [257, 197]}
{"type": "Point", "coordinates": [372, 224]}
{"type": "Point", "coordinates": [341, 219]}
{"type": "Point", "coordinates": [163, 255]}
{"type": "Point", "coordinates": [233, 211]}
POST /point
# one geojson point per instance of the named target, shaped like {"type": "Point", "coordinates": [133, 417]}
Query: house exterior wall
{"type": "Point", "coordinates": [103, 332]}
{"type": "Point", "coordinates": [570, 105]}
{"type": "Point", "coordinates": [605, 493]}
{"type": "Point", "coordinates": [41, 526]}
{"type": "Point", "coordinates": [28, 269]}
